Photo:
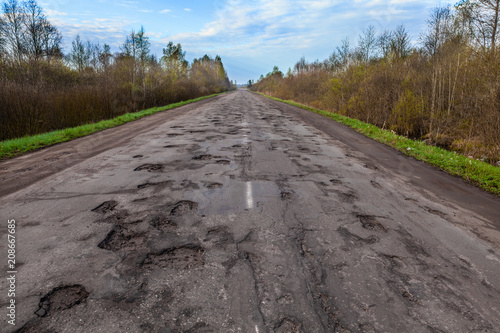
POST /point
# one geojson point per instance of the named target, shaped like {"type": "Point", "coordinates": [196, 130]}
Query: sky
{"type": "Point", "coordinates": [251, 36]}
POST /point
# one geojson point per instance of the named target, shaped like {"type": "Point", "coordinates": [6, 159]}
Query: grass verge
{"type": "Point", "coordinates": [481, 174]}
{"type": "Point", "coordinates": [15, 147]}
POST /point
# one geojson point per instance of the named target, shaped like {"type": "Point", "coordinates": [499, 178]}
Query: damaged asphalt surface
{"type": "Point", "coordinates": [242, 214]}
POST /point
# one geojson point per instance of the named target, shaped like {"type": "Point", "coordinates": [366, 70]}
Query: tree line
{"type": "Point", "coordinates": [445, 90]}
{"type": "Point", "coordinates": [42, 88]}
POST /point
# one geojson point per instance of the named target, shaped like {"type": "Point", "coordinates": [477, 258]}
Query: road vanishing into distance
{"type": "Point", "coordinates": [243, 214]}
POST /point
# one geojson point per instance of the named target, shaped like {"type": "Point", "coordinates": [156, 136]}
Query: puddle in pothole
{"type": "Point", "coordinates": [238, 197]}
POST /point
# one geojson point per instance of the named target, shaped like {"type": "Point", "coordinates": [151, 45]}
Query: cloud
{"type": "Point", "coordinates": [187, 9]}
{"type": "Point", "coordinates": [165, 11]}
{"type": "Point", "coordinates": [111, 31]}
{"type": "Point", "coordinates": [52, 12]}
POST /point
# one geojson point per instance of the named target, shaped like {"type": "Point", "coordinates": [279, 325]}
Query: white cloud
{"type": "Point", "coordinates": [165, 11]}
{"type": "Point", "coordinates": [52, 13]}
{"type": "Point", "coordinates": [187, 9]}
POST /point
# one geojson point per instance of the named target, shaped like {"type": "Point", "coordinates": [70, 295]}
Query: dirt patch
{"type": "Point", "coordinates": [150, 167]}
{"type": "Point", "coordinates": [106, 206]}
{"type": "Point", "coordinates": [184, 257]}
{"type": "Point", "coordinates": [60, 299]}
{"type": "Point", "coordinates": [370, 222]}
{"type": "Point", "coordinates": [121, 238]}
{"type": "Point", "coordinates": [183, 207]}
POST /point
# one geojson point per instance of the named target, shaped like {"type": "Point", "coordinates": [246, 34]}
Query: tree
{"type": "Point", "coordinates": [276, 72]}
{"type": "Point", "coordinates": [384, 43]}
{"type": "Point", "coordinates": [439, 29]}
{"type": "Point", "coordinates": [12, 29]}
{"type": "Point", "coordinates": [3, 40]}
{"type": "Point", "coordinates": [41, 38]}
{"type": "Point", "coordinates": [344, 53]}
{"type": "Point", "coordinates": [367, 43]}
{"type": "Point", "coordinates": [105, 57]}
{"type": "Point", "coordinates": [484, 17]}
{"type": "Point", "coordinates": [174, 60]}
{"type": "Point", "coordinates": [400, 42]}
{"type": "Point", "coordinates": [300, 66]}
{"type": "Point", "coordinates": [136, 48]}
{"type": "Point", "coordinates": [78, 56]}
{"type": "Point", "coordinates": [142, 46]}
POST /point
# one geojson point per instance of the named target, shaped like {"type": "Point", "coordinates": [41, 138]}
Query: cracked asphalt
{"type": "Point", "coordinates": [242, 214]}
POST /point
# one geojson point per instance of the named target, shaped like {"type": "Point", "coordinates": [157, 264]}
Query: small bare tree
{"type": "Point", "coordinates": [12, 29]}
{"type": "Point", "coordinates": [439, 29]}
{"type": "Point", "coordinates": [400, 42]}
{"type": "Point", "coordinates": [367, 43]}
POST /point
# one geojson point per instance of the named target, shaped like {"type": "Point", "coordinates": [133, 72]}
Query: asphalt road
{"type": "Point", "coordinates": [242, 214]}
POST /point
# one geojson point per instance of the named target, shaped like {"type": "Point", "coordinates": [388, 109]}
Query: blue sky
{"type": "Point", "coordinates": [251, 36]}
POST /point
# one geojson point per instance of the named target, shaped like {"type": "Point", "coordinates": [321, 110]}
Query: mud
{"type": "Point", "coordinates": [246, 215]}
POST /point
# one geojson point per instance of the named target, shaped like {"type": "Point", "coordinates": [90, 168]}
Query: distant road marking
{"type": "Point", "coordinates": [249, 195]}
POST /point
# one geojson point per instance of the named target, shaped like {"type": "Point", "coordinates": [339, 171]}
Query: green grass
{"type": "Point", "coordinates": [15, 147]}
{"type": "Point", "coordinates": [481, 174]}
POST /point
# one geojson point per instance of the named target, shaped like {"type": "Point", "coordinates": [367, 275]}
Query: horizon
{"type": "Point", "coordinates": [251, 38]}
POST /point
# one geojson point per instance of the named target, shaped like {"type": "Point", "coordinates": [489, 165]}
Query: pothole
{"type": "Point", "coordinates": [286, 195]}
{"type": "Point", "coordinates": [219, 235]}
{"type": "Point", "coordinates": [183, 207]}
{"type": "Point", "coordinates": [348, 197]}
{"type": "Point", "coordinates": [213, 186]}
{"type": "Point", "coordinates": [371, 223]}
{"type": "Point", "coordinates": [203, 157]}
{"type": "Point", "coordinates": [335, 181]}
{"type": "Point", "coordinates": [223, 162]}
{"type": "Point", "coordinates": [105, 207]}
{"type": "Point", "coordinates": [436, 212]}
{"type": "Point", "coordinates": [60, 299]}
{"type": "Point", "coordinates": [161, 222]}
{"type": "Point", "coordinates": [289, 325]}
{"type": "Point", "coordinates": [116, 218]}
{"type": "Point", "coordinates": [148, 184]}
{"type": "Point", "coordinates": [150, 167]}
{"type": "Point", "coordinates": [138, 156]}
{"type": "Point", "coordinates": [120, 238]}
{"type": "Point", "coordinates": [184, 257]}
